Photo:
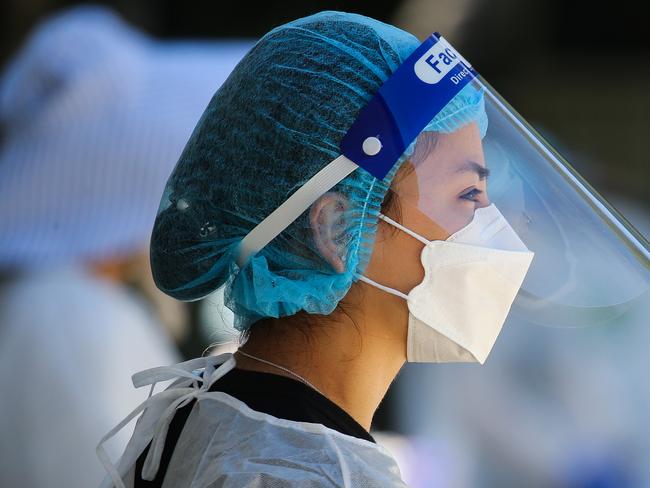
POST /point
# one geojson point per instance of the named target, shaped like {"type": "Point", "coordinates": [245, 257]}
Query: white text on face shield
{"type": "Point", "coordinates": [457, 78]}
{"type": "Point", "coordinates": [434, 65]}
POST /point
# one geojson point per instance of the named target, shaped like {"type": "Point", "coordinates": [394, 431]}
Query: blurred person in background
{"type": "Point", "coordinates": [93, 116]}
{"type": "Point", "coordinates": [337, 187]}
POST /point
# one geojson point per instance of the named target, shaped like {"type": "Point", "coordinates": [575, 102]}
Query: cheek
{"type": "Point", "coordinates": [461, 215]}
{"type": "Point", "coordinates": [443, 207]}
{"type": "Point", "coordinates": [395, 261]}
{"type": "Point", "coordinates": [408, 266]}
{"type": "Point", "coordinates": [443, 216]}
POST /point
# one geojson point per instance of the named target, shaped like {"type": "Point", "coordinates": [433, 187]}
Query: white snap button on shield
{"type": "Point", "coordinates": [182, 204]}
{"type": "Point", "coordinates": [371, 146]}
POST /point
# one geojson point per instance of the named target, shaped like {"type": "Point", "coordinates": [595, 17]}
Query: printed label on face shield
{"type": "Point", "coordinates": [405, 104]}
{"type": "Point", "coordinates": [438, 61]}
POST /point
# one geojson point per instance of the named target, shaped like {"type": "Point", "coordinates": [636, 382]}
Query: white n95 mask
{"type": "Point", "coordinates": [470, 281]}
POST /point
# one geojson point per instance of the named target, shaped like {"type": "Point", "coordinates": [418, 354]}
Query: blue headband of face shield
{"type": "Point", "coordinates": [405, 105]}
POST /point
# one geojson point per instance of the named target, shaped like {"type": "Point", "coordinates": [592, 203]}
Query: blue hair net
{"type": "Point", "coordinates": [276, 121]}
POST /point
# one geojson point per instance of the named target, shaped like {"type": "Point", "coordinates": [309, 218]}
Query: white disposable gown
{"type": "Point", "coordinates": [226, 444]}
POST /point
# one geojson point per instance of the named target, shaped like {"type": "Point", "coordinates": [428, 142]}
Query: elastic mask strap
{"type": "Point", "coordinates": [387, 289]}
{"type": "Point", "coordinates": [392, 291]}
{"type": "Point", "coordinates": [390, 221]}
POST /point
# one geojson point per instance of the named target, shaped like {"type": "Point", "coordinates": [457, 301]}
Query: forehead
{"type": "Point", "coordinates": [465, 142]}
{"type": "Point", "coordinates": [453, 154]}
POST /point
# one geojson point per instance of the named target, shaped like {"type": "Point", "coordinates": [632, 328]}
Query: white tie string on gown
{"type": "Point", "coordinates": [159, 410]}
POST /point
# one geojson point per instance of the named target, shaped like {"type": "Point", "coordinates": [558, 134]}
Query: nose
{"type": "Point", "coordinates": [484, 200]}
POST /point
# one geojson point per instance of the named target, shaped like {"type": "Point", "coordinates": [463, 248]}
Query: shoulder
{"type": "Point", "coordinates": [68, 303]}
{"type": "Point", "coordinates": [66, 294]}
{"type": "Point", "coordinates": [256, 449]}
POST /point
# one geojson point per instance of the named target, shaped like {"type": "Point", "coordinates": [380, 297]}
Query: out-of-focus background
{"type": "Point", "coordinates": [82, 99]}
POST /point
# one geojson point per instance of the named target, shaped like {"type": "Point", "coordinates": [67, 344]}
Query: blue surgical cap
{"type": "Point", "coordinates": [276, 121]}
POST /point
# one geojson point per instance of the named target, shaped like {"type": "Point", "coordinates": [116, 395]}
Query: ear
{"type": "Point", "coordinates": [326, 217]}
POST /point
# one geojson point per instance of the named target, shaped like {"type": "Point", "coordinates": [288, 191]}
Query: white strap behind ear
{"type": "Point", "coordinates": [292, 207]}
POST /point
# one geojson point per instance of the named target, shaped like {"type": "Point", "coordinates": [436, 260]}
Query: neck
{"type": "Point", "coordinates": [352, 357]}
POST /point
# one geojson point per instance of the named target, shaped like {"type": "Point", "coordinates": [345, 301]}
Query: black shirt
{"type": "Point", "coordinates": [269, 393]}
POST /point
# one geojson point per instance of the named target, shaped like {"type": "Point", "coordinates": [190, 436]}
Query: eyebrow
{"type": "Point", "coordinates": [473, 166]}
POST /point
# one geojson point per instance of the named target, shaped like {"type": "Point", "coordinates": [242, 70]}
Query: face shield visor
{"type": "Point", "coordinates": [467, 153]}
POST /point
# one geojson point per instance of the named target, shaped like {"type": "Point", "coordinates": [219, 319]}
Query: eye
{"type": "Point", "coordinates": [471, 195]}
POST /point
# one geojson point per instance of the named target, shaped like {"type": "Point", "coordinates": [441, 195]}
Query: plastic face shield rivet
{"type": "Point", "coordinates": [182, 204]}
{"type": "Point", "coordinates": [371, 146]}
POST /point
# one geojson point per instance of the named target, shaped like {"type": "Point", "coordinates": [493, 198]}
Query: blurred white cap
{"type": "Point", "coordinates": [93, 117]}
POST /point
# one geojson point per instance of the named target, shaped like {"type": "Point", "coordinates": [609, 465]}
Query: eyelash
{"type": "Point", "coordinates": [472, 195]}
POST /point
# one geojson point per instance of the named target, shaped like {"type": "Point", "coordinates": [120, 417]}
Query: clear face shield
{"type": "Point", "coordinates": [589, 264]}
{"type": "Point", "coordinates": [472, 157]}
